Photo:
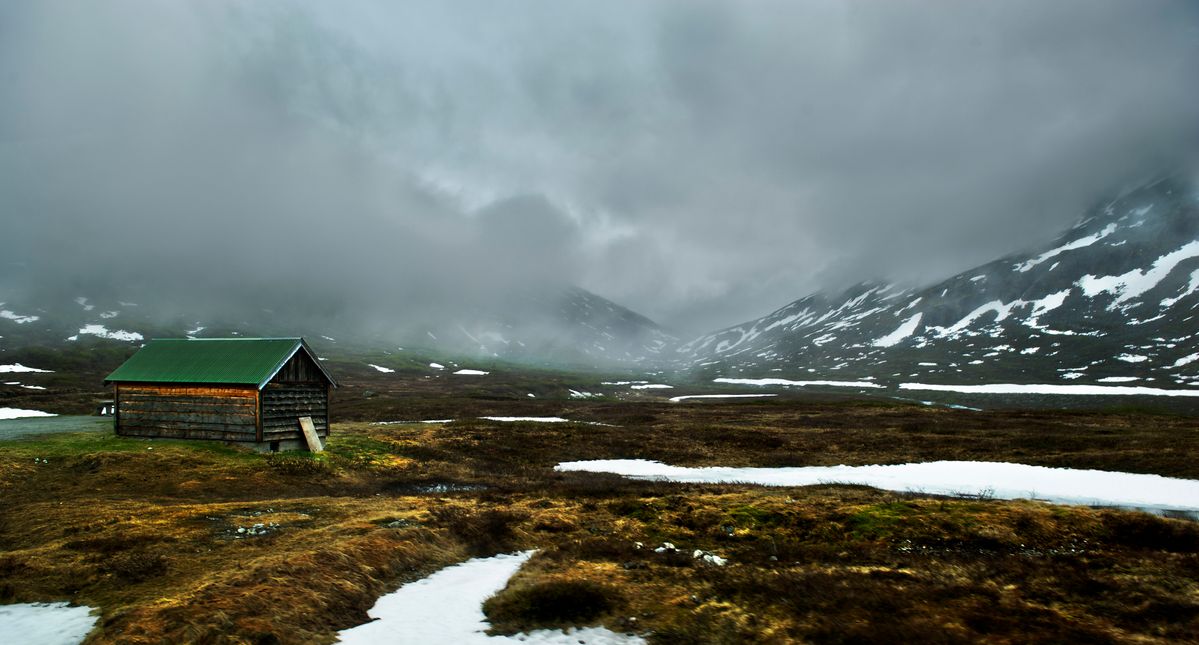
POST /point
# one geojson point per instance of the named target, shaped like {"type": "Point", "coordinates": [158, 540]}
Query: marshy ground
{"type": "Point", "coordinates": [197, 542]}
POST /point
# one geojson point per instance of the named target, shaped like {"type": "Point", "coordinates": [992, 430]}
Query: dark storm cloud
{"type": "Point", "coordinates": [698, 161]}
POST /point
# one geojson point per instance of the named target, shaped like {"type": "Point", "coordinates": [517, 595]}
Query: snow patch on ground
{"type": "Point", "coordinates": [781, 381]}
{"type": "Point", "coordinates": [16, 413]}
{"type": "Point", "coordinates": [380, 368]}
{"type": "Point", "coordinates": [531, 419]}
{"type": "Point", "coordinates": [447, 609]}
{"type": "Point", "coordinates": [1191, 288]}
{"type": "Point", "coordinates": [1119, 379]}
{"type": "Point", "coordinates": [1129, 285]}
{"type": "Point", "coordinates": [437, 366]}
{"type": "Point", "coordinates": [42, 623]}
{"type": "Point", "coordinates": [471, 373]}
{"type": "Point", "coordinates": [958, 478]}
{"type": "Point", "coordinates": [676, 399]}
{"type": "Point", "coordinates": [651, 386]}
{"type": "Point", "coordinates": [17, 318]}
{"type": "Point", "coordinates": [1186, 360]}
{"type": "Point", "coordinates": [103, 332]}
{"type": "Point", "coordinates": [1132, 358]}
{"type": "Point", "coordinates": [17, 367]}
{"type": "Point", "coordinates": [906, 329]}
{"type": "Point", "coordinates": [1045, 388]}
{"type": "Point", "coordinates": [1070, 246]}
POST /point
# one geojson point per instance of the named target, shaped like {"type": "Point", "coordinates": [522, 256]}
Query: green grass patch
{"type": "Point", "coordinates": [879, 521]}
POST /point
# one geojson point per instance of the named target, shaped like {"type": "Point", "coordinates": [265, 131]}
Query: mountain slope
{"type": "Point", "coordinates": [556, 326]}
{"type": "Point", "coordinates": [1113, 300]}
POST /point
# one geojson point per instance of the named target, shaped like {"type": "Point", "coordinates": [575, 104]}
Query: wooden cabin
{"type": "Point", "coordinates": [250, 391]}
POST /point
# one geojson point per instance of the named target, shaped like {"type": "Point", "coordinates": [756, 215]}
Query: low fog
{"type": "Point", "coordinates": [698, 162]}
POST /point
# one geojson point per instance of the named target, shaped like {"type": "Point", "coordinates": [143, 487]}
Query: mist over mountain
{"type": "Point", "coordinates": [385, 164]}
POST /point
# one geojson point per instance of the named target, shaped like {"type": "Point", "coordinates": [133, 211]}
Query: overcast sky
{"type": "Point", "coordinates": [700, 162]}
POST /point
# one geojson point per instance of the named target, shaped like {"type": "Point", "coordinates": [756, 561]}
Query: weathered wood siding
{"type": "Point", "coordinates": [299, 369]}
{"type": "Point", "coordinates": [284, 404]}
{"type": "Point", "coordinates": [298, 390]}
{"type": "Point", "coordinates": [228, 413]}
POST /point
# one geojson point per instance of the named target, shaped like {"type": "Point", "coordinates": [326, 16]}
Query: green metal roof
{"type": "Point", "coordinates": [241, 361]}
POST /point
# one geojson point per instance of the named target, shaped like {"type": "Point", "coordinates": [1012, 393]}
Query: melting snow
{"type": "Point", "coordinates": [780, 381]}
{"type": "Point", "coordinates": [380, 368]}
{"type": "Point", "coordinates": [958, 478]}
{"type": "Point", "coordinates": [447, 608]}
{"type": "Point", "coordinates": [676, 399]}
{"type": "Point", "coordinates": [54, 623]}
{"type": "Point", "coordinates": [103, 332]}
{"type": "Point", "coordinates": [651, 386]}
{"type": "Point", "coordinates": [1076, 244]}
{"type": "Point", "coordinates": [1015, 388]}
{"type": "Point", "coordinates": [1136, 282]}
{"type": "Point", "coordinates": [1191, 288]}
{"type": "Point", "coordinates": [1186, 360]}
{"type": "Point", "coordinates": [17, 367]}
{"type": "Point", "coordinates": [437, 366]}
{"type": "Point", "coordinates": [17, 318]}
{"type": "Point", "coordinates": [1132, 358]}
{"type": "Point", "coordinates": [532, 419]}
{"type": "Point", "coordinates": [472, 373]}
{"type": "Point", "coordinates": [15, 413]}
{"type": "Point", "coordinates": [906, 329]}
{"type": "Point", "coordinates": [82, 302]}
{"type": "Point", "coordinates": [1119, 379]}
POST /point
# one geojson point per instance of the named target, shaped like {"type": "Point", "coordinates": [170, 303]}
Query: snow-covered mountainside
{"type": "Point", "coordinates": [1113, 300]}
{"type": "Point", "coordinates": [568, 326]}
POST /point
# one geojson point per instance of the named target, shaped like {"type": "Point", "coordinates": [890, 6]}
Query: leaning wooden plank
{"type": "Point", "coordinates": [314, 442]}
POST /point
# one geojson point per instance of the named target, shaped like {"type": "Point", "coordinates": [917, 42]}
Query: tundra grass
{"type": "Point", "coordinates": [179, 541]}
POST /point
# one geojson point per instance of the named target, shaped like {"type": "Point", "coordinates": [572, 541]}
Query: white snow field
{"type": "Point", "coordinates": [447, 609]}
{"type": "Point", "coordinates": [380, 368]}
{"type": "Point", "coordinates": [16, 368]}
{"type": "Point", "coordinates": [17, 413]}
{"type": "Point", "coordinates": [531, 419]}
{"type": "Point", "coordinates": [472, 373]}
{"type": "Point", "coordinates": [45, 623]}
{"type": "Point", "coordinates": [956, 478]}
{"type": "Point", "coordinates": [906, 329]}
{"type": "Point", "coordinates": [1033, 388]}
{"type": "Point", "coordinates": [786, 382]}
{"type": "Point", "coordinates": [104, 332]}
{"type": "Point", "coordinates": [676, 399]}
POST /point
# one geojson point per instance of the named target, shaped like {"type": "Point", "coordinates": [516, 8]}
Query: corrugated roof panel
{"type": "Point", "coordinates": [246, 361]}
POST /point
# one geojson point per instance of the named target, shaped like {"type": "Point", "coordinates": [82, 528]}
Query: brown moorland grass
{"type": "Point", "coordinates": [192, 542]}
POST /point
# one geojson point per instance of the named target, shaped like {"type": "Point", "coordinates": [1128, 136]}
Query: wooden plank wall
{"type": "Point", "coordinates": [227, 413]}
{"type": "Point", "coordinates": [300, 369]}
{"type": "Point", "coordinates": [283, 404]}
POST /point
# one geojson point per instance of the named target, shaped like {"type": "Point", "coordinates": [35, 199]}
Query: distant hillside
{"type": "Point", "coordinates": [1113, 300]}
{"type": "Point", "coordinates": [567, 326]}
